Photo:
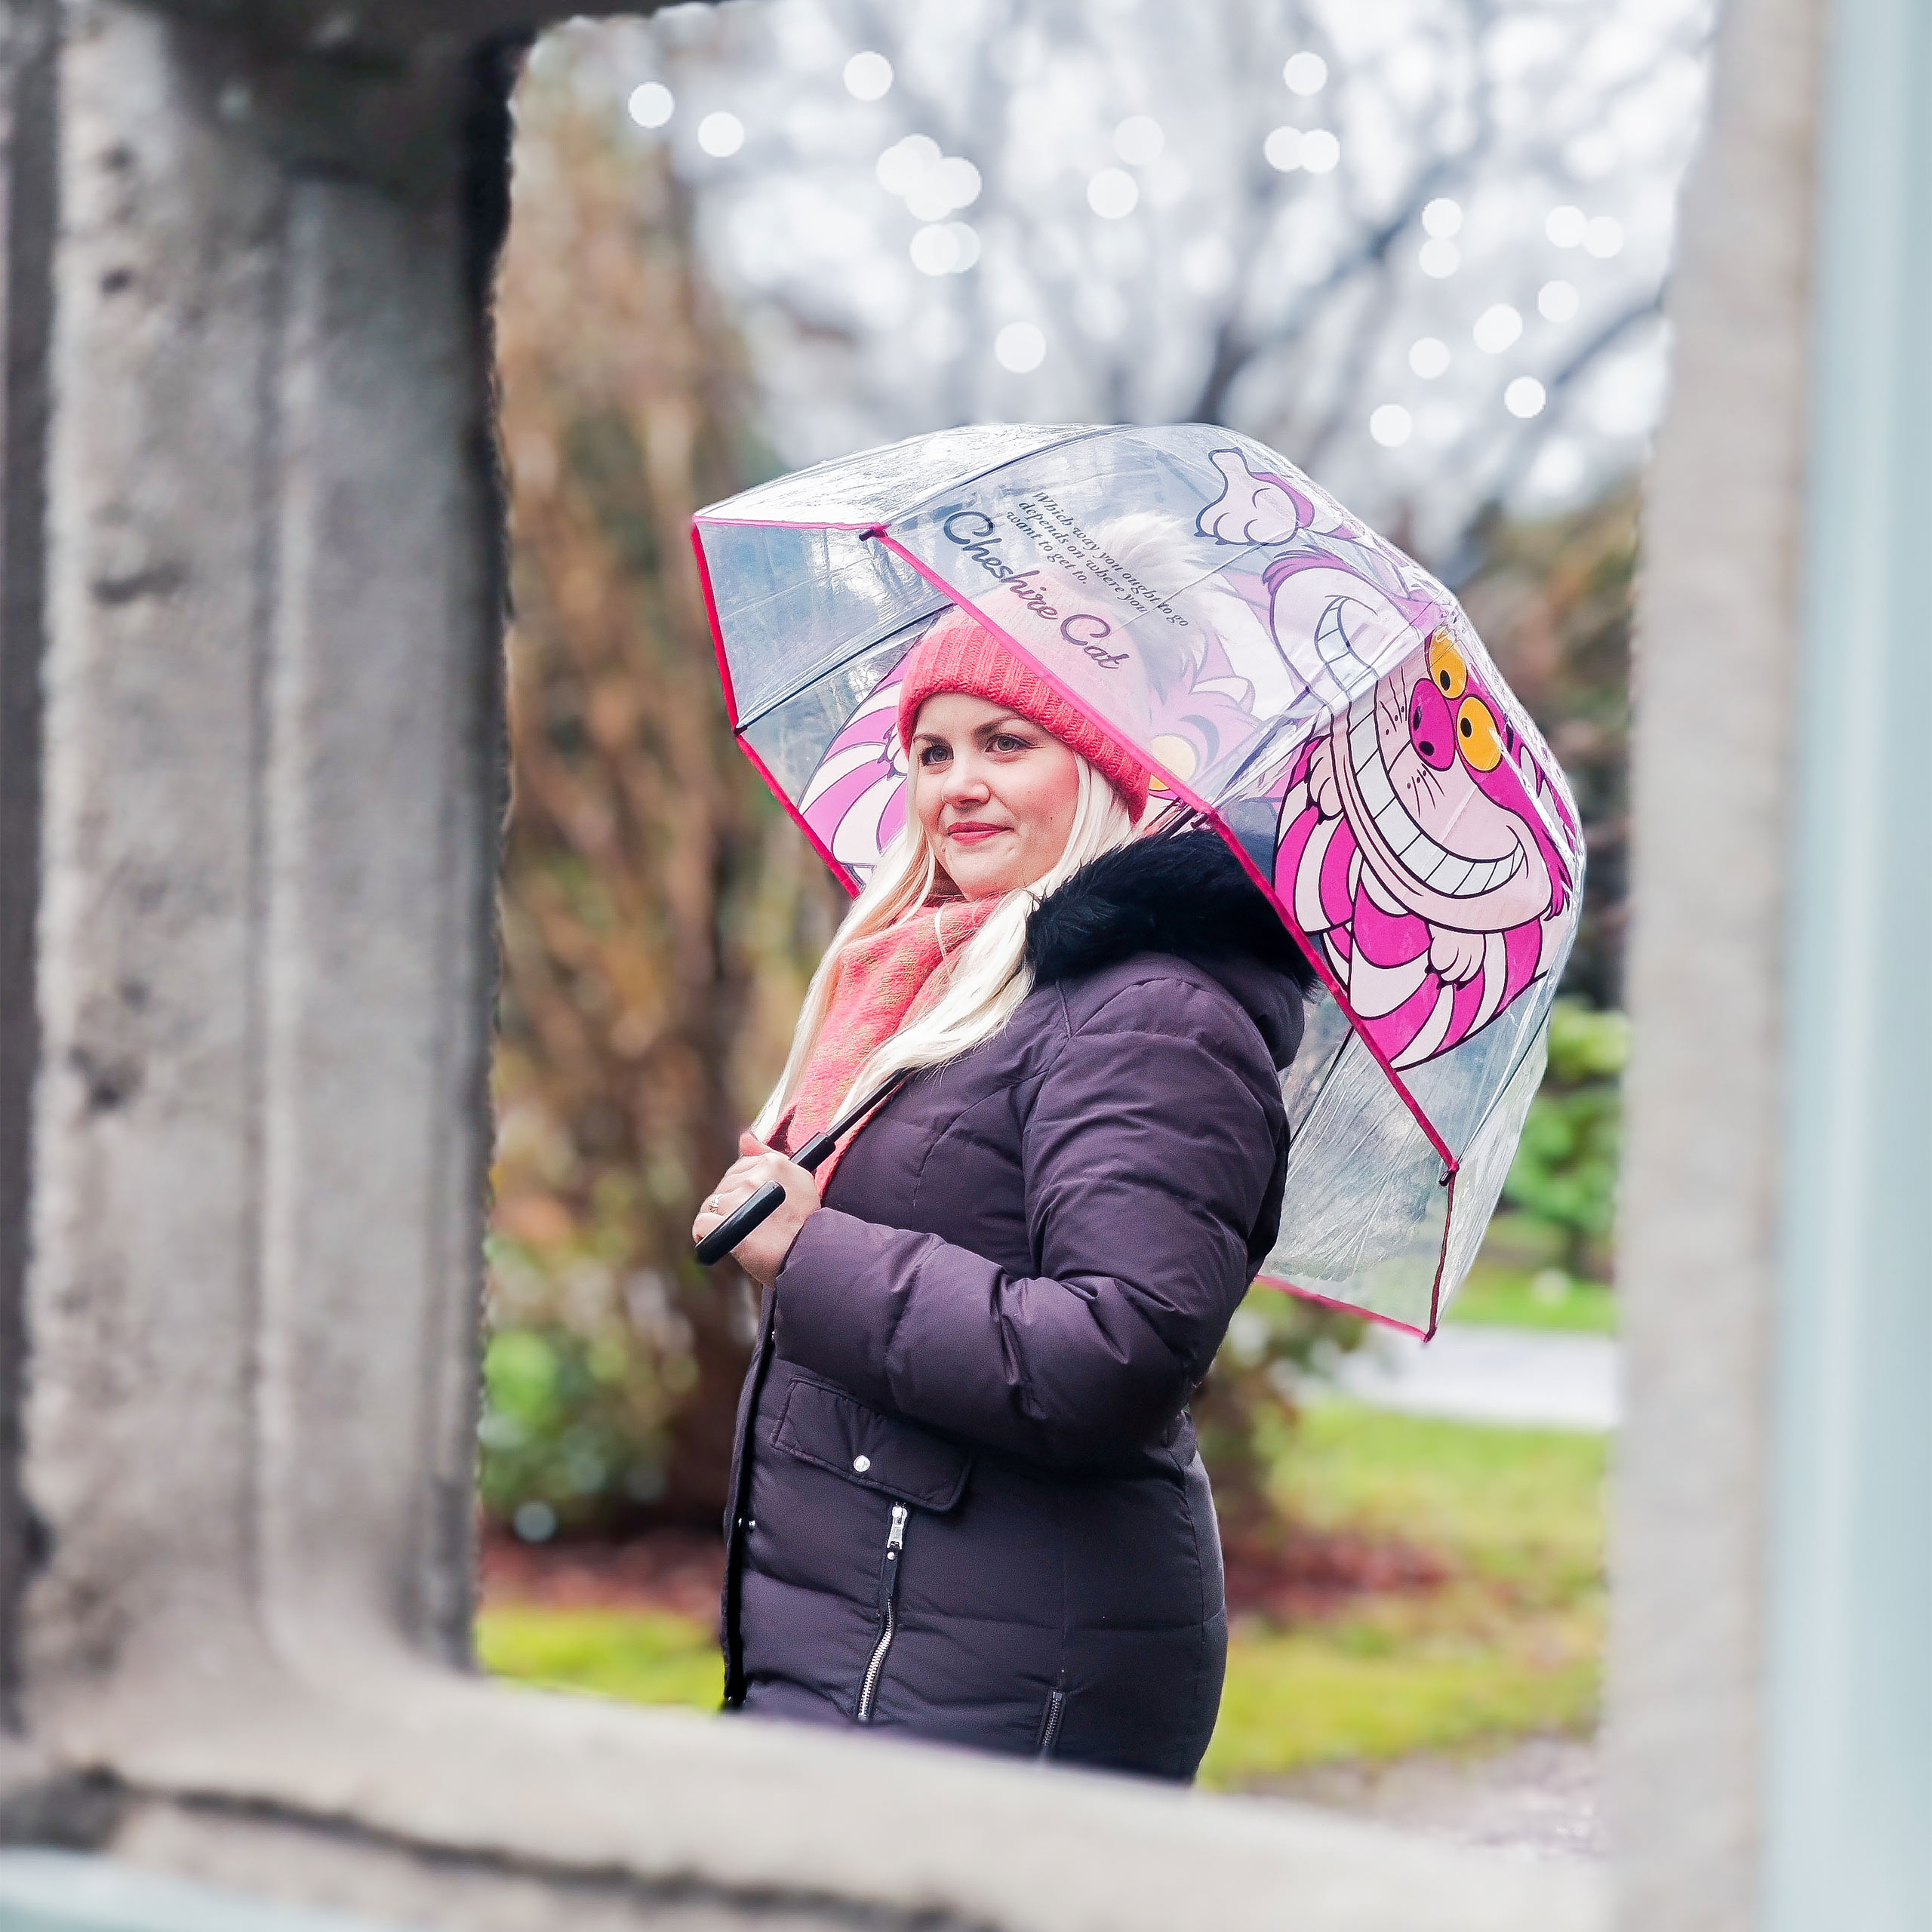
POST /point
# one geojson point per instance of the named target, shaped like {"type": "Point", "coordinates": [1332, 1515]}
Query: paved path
{"type": "Point", "coordinates": [1471, 1373]}
{"type": "Point", "coordinates": [1538, 1798]}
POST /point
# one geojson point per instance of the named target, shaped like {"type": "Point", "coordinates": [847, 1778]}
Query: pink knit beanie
{"type": "Point", "coordinates": [959, 654]}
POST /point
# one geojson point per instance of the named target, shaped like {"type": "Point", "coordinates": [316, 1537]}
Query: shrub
{"type": "Point", "coordinates": [585, 1378]}
{"type": "Point", "coordinates": [1565, 1170]}
{"type": "Point", "coordinates": [1245, 1410]}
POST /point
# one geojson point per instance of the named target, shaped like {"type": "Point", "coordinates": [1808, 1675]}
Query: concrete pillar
{"type": "Point", "coordinates": [1849, 1680]}
{"type": "Point", "coordinates": [1772, 1686]}
{"type": "Point", "coordinates": [26, 237]}
{"type": "Point", "coordinates": [270, 778]}
{"type": "Point", "coordinates": [1717, 651]}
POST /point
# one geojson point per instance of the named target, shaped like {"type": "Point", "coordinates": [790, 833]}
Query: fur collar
{"type": "Point", "coordinates": [1185, 894]}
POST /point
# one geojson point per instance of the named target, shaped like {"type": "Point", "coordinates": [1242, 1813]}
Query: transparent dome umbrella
{"type": "Point", "coordinates": [1316, 697]}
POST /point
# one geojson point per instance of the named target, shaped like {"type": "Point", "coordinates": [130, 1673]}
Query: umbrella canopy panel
{"type": "Point", "coordinates": [1314, 693]}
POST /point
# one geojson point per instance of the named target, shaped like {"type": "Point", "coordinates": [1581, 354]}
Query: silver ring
{"type": "Point", "coordinates": [712, 1201]}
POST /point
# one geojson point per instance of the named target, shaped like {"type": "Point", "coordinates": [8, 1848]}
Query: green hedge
{"type": "Point", "coordinates": [1564, 1175]}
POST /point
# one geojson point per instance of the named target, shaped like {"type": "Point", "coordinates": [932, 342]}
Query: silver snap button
{"type": "Point", "coordinates": [862, 1463]}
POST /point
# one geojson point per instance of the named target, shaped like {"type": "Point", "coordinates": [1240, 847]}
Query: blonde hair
{"type": "Point", "coordinates": [990, 976]}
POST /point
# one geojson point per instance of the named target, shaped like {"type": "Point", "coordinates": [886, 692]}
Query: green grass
{"type": "Point", "coordinates": [1521, 1508]}
{"type": "Point", "coordinates": [642, 1657]}
{"type": "Point", "coordinates": [1535, 1298]}
{"type": "Point", "coordinates": [1510, 1646]}
{"type": "Point", "coordinates": [1381, 1686]}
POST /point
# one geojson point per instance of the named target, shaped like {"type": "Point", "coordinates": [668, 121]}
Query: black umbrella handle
{"type": "Point", "coordinates": [740, 1222]}
{"type": "Point", "coordinates": [760, 1207]}
{"type": "Point", "coordinates": [754, 1212]}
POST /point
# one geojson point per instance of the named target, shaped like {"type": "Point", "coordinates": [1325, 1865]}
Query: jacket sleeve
{"type": "Point", "coordinates": [1147, 1156]}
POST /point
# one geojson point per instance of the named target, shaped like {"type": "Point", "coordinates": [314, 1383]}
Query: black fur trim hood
{"type": "Point", "coordinates": [1185, 894]}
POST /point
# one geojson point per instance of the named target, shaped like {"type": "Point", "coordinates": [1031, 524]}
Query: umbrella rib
{"type": "Point", "coordinates": [823, 671]}
{"type": "Point", "coordinates": [1078, 432]}
{"type": "Point", "coordinates": [1084, 433]}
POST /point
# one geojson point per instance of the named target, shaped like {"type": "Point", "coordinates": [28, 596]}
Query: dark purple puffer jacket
{"type": "Point", "coordinates": [967, 1504]}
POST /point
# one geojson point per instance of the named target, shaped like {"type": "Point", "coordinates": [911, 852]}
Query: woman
{"type": "Point", "coordinates": [966, 1502]}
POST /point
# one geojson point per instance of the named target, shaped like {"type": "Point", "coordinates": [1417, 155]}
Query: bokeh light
{"type": "Point", "coordinates": [1524, 397]}
{"type": "Point", "coordinates": [1305, 73]}
{"type": "Point", "coordinates": [934, 249]}
{"type": "Point", "coordinates": [1112, 193]}
{"type": "Point", "coordinates": [933, 185]}
{"type": "Point", "coordinates": [1498, 328]}
{"type": "Point", "coordinates": [944, 248]}
{"type": "Point", "coordinates": [720, 134]}
{"type": "Point", "coordinates": [1282, 150]}
{"type": "Point", "coordinates": [651, 105]}
{"type": "Point", "coordinates": [1604, 237]}
{"type": "Point", "coordinates": [1320, 151]}
{"type": "Point", "coordinates": [1391, 426]}
{"type": "Point", "coordinates": [869, 76]}
{"type": "Point", "coordinates": [1443, 217]}
{"type": "Point", "coordinates": [1428, 357]}
{"type": "Point", "coordinates": [1439, 258]}
{"type": "Point", "coordinates": [900, 167]}
{"type": "Point", "coordinates": [959, 180]}
{"type": "Point", "coordinates": [1558, 301]}
{"type": "Point", "coordinates": [1566, 226]}
{"type": "Point", "coordinates": [1020, 348]}
{"type": "Point", "coordinates": [535, 1521]}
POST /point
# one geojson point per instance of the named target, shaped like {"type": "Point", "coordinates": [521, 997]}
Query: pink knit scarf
{"type": "Point", "coordinates": [885, 982]}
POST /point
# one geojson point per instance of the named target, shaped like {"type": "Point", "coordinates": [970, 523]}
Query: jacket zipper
{"type": "Point", "coordinates": [1049, 1730]}
{"type": "Point", "coordinates": [888, 1593]}
{"type": "Point", "coordinates": [739, 1520]}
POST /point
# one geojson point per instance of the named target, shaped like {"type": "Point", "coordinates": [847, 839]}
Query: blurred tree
{"type": "Point", "coordinates": [659, 915]}
{"type": "Point", "coordinates": [1418, 247]}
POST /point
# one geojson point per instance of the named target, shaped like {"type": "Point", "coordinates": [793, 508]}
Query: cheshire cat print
{"type": "Point", "coordinates": [1415, 841]}
{"type": "Point", "coordinates": [1420, 848]}
{"type": "Point", "coordinates": [1260, 506]}
{"type": "Point", "coordinates": [1413, 852]}
{"type": "Point", "coordinates": [854, 802]}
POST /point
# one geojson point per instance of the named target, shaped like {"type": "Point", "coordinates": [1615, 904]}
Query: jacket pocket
{"type": "Point", "coordinates": [825, 1427]}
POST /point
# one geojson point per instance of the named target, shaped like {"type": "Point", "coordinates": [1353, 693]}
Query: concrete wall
{"type": "Point", "coordinates": [249, 746]}
{"type": "Point", "coordinates": [249, 542]}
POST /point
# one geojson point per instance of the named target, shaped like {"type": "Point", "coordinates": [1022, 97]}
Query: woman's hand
{"type": "Point", "coordinates": [762, 1252]}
